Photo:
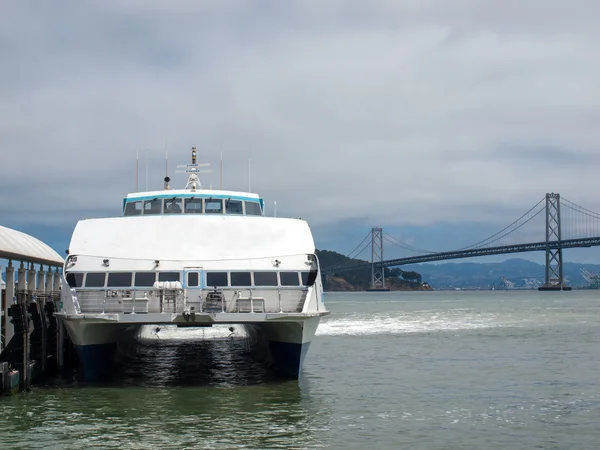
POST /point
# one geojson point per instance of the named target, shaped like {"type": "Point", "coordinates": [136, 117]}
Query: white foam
{"type": "Point", "coordinates": [173, 332]}
{"type": "Point", "coordinates": [423, 321]}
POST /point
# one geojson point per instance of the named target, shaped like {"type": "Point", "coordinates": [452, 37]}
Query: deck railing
{"type": "Point", "coordinates": [178, 301]}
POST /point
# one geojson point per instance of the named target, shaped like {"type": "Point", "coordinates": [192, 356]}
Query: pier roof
{"type": "Point", "coordinates": [23, 247]}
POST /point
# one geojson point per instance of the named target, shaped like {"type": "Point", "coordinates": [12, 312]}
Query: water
{"type": "Point", "coordinates": [427, 370]}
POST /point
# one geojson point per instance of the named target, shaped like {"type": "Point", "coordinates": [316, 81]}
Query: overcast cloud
{"type": "Point", "coordinates": [380, 113]}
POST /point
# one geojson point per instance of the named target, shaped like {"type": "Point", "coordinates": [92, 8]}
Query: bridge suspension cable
{"type": "Point", "coordinates": [580, 209]}
{"type": "Point", "coordinates": [485, 242]}
{"type": "Point", "coordinates": [353, 254]}
{"type": "Point", "coordinates": [579, 220]}
{"type": "Point", "coordinates": [508, 229]}
{"type": "Point", "coordinates": [404, 245]}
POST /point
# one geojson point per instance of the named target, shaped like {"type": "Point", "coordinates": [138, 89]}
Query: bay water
{"type": "Point", "coordinates": [397, 370]}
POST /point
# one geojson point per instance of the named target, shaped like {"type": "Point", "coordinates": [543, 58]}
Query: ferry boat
{"type": "Point", "coordinates": [192, 257]}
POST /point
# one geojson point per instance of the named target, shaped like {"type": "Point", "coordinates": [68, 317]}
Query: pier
{"type": "Point", "coordinates": [31, 338]}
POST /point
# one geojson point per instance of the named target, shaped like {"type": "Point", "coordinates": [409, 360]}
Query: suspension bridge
{"type": "Point", "coordinates": [562, 223]}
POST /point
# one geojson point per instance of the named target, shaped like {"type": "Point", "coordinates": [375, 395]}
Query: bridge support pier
{"type": "Point", "coordinates": [554, 264]}
{"type": "Point", "coordinates": [377, 269]}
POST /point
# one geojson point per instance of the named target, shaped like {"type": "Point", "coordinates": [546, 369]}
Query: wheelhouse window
{"type": "Point", "coordinates": [265, 278]}
{"type": "Point", "coordinates": [144, 279]}
{"type": "Point", "coordinates": [119, 279]}
{"type": "Point", "coordinates": [95, 279]}
{"type": "Point", "coordinates": [75, 280]}
{"type": "Point", "coordinates": [193, 205]}
{"type": "Point", "coordinates": [213, 206]}
{"type": "Point", "coordinates": [168, 276]}
{"type": "Point", "coordinates": [253, 209]}
{"type": "Point", "coordinates": [216, 279]}
{"type": "Point", "coordinates": [234, 207]}
{"type": "Point", "coordinates": [241, 279]}
{"type": "Point", "coordinates": [173, 206]}
{"type": "Point", "coordinates": [133, 208]}
{"type": "Point", "coordinates": [309, 278]}
{"type": "Point", "coordinates": [289, 278]}
{"type": "Point", "coordinates": [193, 279]}
{"type": "Point", "coordinates": [152, 206]}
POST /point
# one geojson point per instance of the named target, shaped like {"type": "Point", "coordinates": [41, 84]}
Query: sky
{"type": "Point", "coordinates": [441, 121]}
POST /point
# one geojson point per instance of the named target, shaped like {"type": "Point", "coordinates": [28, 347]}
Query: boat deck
{"type": "Point", "coordinates": [194, 306]}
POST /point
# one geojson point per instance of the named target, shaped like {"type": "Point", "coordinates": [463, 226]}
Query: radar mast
{"type": "Point", "coordinates": [194, 169]}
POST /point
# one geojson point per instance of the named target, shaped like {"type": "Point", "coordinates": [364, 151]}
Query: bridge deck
{"type": "Point", "coordinates": [457, 254]}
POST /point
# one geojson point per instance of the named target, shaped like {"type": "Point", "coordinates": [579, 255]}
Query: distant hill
{"type": "Point", "coordinates": [359, 280]}
{"type": "Point", "coordinates": [521, 272]}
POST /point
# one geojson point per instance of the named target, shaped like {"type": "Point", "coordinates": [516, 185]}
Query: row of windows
{"type": "Point", "coordinates": [213, 279]}
{"type": "Point", "coordinates": [192, 205]}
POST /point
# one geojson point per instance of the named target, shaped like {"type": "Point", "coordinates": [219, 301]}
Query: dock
{"type": "Point", "coordinates": [31, 338]}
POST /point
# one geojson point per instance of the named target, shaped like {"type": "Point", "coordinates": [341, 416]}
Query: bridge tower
{"type": "Point", "coordinates": [554, 265]}
{"type": "Point", "coordinates": [377, 269]}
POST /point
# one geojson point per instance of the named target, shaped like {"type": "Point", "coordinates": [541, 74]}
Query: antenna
{"type": "Point", "coordinates": [146, 169]}
{"type": "Point", "coordinates": [221, 184]}
{"type": "Point", "coordinates": [137, 169]}
{"type": "Point", "coordinates": [249, 179]}
{"type": "Point", "coordinates": [274, 208]}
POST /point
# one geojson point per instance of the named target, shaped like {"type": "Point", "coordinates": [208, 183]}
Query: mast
{"type": "Point", "coordinates": [166, 158]}
{"type": "Point", "coordinates": [193, 169]}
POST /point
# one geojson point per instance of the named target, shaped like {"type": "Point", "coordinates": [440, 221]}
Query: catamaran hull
{"type": "Point", "coordinates": [283, 344]}
{"type": "Point", "coordinates": [287, 342]}
{"type": "Point", "coordinates": [96, 346]}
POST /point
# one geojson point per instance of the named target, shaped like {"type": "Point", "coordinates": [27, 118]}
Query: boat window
{"type": "Point", "coordinates": [213, 206]}
{"type": "Point", "coordinates": [168, 276]}
{"type": "Point", "coordinates": [309, 278]}
{"type": "Point", "coordinates": [253, 209]}
{"type": "Point", "coordinates": [119, 279]}
{"type": "Point", "coordinates": [133, 208]}
{"type": "Point", "coordinates": [265, 278]}
{"type": "Point", "coordinates": [95, 279]}
{"type": "Point", "coordinates": [193, 279]}
{"type": "Point", "coordinates": [241, 279]}
{"type": "Point", "coordinates": [233, 206]}
{"type": "Point", "coordinates": [193, 205]}
{"type": "Point", "coordinates": [216, 279]}
{"type": "Point", "coordinates": [152, 206]}
{"type": "Point", "coordinates": [144, 279]}
{"type": "Point", "coordinates": [172, 206]}
{"type": "Point", "coordinates": [75, 279]}
{"type": "Point", "coordinates": [289, 278]}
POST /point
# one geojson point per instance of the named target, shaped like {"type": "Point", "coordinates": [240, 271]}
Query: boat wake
{"type": "Point", "coordinates": [416, 322]}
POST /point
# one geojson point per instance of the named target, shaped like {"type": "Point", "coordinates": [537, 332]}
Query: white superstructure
{"type": "Point", "coordinates": [192, 257]}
